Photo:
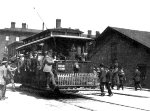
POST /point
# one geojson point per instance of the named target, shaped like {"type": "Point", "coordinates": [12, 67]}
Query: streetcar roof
{"type": "Point", "coordinates": [55, 36]}
{"type": "Point", "coordinates": [55, 30]}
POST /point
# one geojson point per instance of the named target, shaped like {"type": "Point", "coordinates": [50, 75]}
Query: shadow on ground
{"type": "Point", "coordinates": [39, 94]}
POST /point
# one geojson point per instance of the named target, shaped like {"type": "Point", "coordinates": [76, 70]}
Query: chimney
{"type": "Point", "coordinates": [97, 33]}
{"type": "Point", "coordinates": [58, 23]}
{"type": "Point", "coordinates": [89, 33]}
{"type": "Point", "coordinates": [13, 24]}
{"type": "Point", "coordinates": [23, 25]}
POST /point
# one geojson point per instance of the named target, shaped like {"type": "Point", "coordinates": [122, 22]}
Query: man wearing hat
{"type": "Point", "coordinates": [20, 63]}
{"type": "Point", "coordinates": [2, 81]}
{"type": "Point", "coordinates": [21, 67]}
{"type": "Point", "coordinates": [3, 68]}
{"type": "Point", "coordinates": [104, 78]}
{"type": "Point", "coordinates": [137, 79]}
{"type": "Point", "coordinates": [48, 62]}
{"type": "Point", "coordinates": [115, 78]}
{"type": "Point", "coordinates": [33, 67]}
{"type": "Point", "coordinates": [40, 57]}
{"type": "Point", "coordinates": [11, 69]}
{"type": "Point", "coordinates": [122, 78]}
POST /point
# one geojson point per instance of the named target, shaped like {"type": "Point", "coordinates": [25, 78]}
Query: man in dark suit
{"type": "Point", "coordinates": [122, 78]}
{"type": "Point", "coordinates": [115, 78]}
{"type": "Point", "coordinates": [104, 77]}
{"type": "Point", "coordinates": [137, 79]}
{"type": "Point", "coordinates": [109, 75]}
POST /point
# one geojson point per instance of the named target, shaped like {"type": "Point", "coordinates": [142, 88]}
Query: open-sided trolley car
{"type": "Point", "coordinates": [72, 70]}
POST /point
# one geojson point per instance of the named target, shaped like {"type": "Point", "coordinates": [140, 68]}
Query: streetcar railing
{"type": "Point", "coordinates": [77, 79]}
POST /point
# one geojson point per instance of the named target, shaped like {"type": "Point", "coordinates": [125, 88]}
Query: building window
{"type": "Point", "coordinates": [7, 38]}
{"type": "Point", "coordinates": [17, 38]}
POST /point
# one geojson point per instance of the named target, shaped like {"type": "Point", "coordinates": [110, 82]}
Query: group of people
{"type": "Point", "coordinates": [109, 77]}
{"type": "Point", "coordinates": [115, 76]}
{"type": "Point", "coordinates": [40, 62]}
{"type": "Point", "coordinates": [7, 72]}
{"type": "Point", "coordinates": [35, 64]}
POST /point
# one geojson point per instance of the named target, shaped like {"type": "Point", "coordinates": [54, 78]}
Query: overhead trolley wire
{"type": "Point", "coordinates": [45, 25]}
{"type": "Point", "coordinates": [40, 17]}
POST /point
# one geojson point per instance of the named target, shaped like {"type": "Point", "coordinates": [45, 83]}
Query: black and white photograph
{"type": "Point", "coordinates": [75, 55]}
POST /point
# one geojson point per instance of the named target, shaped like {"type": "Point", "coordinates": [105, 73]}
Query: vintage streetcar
{"type": "Point", "coordinates": [69, 50]}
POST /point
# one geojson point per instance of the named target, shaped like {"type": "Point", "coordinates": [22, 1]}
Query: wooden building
{"type": "Point", "coordinates": [130, 48]}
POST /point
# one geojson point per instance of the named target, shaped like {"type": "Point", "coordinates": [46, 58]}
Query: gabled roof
{"type": "Point", "coordinates": [142, 37]}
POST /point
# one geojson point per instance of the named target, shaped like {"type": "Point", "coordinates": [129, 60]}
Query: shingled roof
{"type": "Point", "coordinates": [142, 37]}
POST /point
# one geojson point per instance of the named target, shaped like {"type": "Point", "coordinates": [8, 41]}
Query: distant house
{"type": "Point", "coordinates": [12, 48]}
{"type": "Point", "coordinates": [13, 34]}
{"type": "Point", "coordinates": [130, 48]}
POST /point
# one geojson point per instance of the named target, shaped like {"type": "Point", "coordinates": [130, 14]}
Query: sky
{"type": "Point", "coordinates": [95, 15]}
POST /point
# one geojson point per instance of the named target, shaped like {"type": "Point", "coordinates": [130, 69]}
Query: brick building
{"type": "Point", "coordinates": [13, 34]}
{"type": "Point", "coordinates": [130, 48]}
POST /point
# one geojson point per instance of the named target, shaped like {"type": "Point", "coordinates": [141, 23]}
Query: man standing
{"type": "Point", "coordinates": [48, 65]}
{"type": "Point", "coordinates": [4, 71]}
{"type": "Point", "coordinates": [21, 67]}
{"type": "Point", "coordinates": [12, 68]}
{"type": "Point", "coordinates": [40, 57]}
{"type": "Point", "coordinates": [109, 80]}
{"type": "Point", "coordinates": [137, 79]}
{"type": "Point", "coordinates": [122, 78]}
{"type": "Point", "coordinates": [115, 78]}
{"type": "Point", "coordinates": [33, 67]}
{"type": "Point", "coordinates": [104, 78]}
{"type": "Point", "coordinates": [109, 76]}
{"type": "Point", "coordinates": [2, 81]}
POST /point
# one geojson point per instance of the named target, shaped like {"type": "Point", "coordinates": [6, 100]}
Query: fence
{"type": "Point", "coordinates": [77, 79]}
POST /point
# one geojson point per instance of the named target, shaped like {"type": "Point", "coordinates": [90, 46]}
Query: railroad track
{"type": "Point", "coordinates": [69, 98]}
{"type": "Point", "coordinates": [92, 99]}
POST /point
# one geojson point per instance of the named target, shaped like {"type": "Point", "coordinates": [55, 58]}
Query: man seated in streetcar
{"type": "Point", "coordinates": [60, 56]}
{"type": "Point", "coordinates": [40, 57]}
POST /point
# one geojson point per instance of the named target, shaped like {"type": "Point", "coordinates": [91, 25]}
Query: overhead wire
{"type": "Point", "coordinates": [45, 25]}
{"type": "Point", "coordinates": [40, 17]}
